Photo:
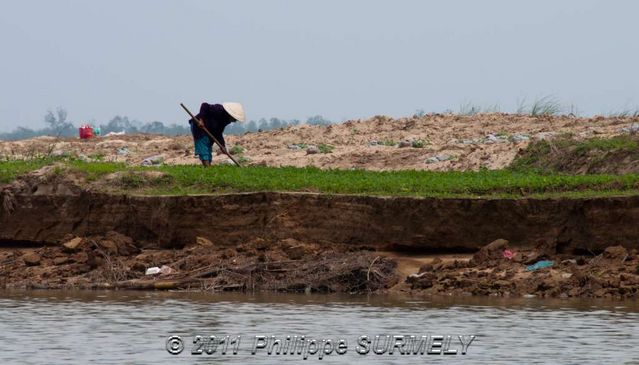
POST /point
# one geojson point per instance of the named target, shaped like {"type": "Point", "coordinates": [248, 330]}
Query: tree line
{"type": "Point", "coordinates": [57, 125]}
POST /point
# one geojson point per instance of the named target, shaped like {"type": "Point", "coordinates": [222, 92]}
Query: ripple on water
{"type": "Point", "coordinates": [114, 328]}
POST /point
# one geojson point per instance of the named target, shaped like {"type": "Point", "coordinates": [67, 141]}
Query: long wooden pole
{"type": "Point", "coordinates": [210, 135]}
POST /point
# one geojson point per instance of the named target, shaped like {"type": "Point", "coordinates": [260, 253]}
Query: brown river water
{"type": "Point", "coordinates": [85, 327]}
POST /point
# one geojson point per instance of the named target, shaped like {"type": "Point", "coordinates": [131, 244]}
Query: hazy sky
{"type": "Point", "coordinates": [293, 59]}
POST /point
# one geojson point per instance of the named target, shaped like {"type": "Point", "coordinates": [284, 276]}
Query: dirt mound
{"type": "Point", "coordinates": [616, 155]}
{"type": "Point", "coordinates": [431, 142]}
{"type": "Point", "coordinates": [612, 257]}
{"type": "Point", "coordinates": [51, 180]}
{"type": "Point", "coordinates": [60, 180]}
{"type": "Point", "coordinates": [130, 180]}
{"type": "Point", "coordinates": [535, 272]}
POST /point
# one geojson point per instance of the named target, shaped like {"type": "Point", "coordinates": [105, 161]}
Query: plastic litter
{"type": "Point", "coordinates": [439, 158]}
{"type": "Point", "coordinates": [539, 265]}
{"type": "Point", "coordinates": [508, 254]}
{"type": "Point", "coordinates": [123, 151]}
{"type": "Point", "coordinates": [633, 128]}
{"type": "Point", "coordinates": [542, 136]}
{"type": "Point", "coordinates": [153, 271]}
{"type": "Point", "coordinates": [153, 160]}
{"type": "Point", "coordinates": [518, 138]}
{"type": "Point", "coordinates": [493, 138]}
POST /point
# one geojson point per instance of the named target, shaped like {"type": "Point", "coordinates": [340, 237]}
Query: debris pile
{"type": "Point", "coordinates": [114, 261]}
{"type": "Point", "coordinates": [498, 270]}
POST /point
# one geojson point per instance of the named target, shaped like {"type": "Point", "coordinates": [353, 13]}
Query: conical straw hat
{"type": "Point", "coordinates": [235, 110]}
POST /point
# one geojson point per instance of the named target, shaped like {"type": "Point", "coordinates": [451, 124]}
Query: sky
{"type": "Point", "coordinates": [295, 59]}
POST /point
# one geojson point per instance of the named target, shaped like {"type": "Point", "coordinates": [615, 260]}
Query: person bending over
{"type": "Point", "coordinates": [215, 117]}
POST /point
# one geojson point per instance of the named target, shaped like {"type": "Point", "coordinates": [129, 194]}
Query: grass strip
{"type": "Point", "coordinates": [191, 179]}
{"type": "Point", "coordinates": [11, 169]}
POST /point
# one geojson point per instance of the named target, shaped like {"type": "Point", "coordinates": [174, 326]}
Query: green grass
{"type": "Point", "coordinates": [132, 181]}
{"type": "Point", "coordinates": [417, 183]}
{"type": "Point", "coordinates": [419, 143]}
{"type": "Point", "coordinates": [99, 157]}
{"type": "Point", "coordinates": [9, 170]}
{"type": "Point", "coordinates": [564, 151]}
{"type": "Point", "coordinates": [237, 150]}
{"type": "Point", "coordinates": [625, 113]}
{"type": "Point", "coordinates": [325, 148]}
{"type": "Point", "coordinates": [227, 179]}
{"type": "Point", "coordinates": [620, 143]}
{"type": "Point", "coordinates": [95, 170]}
{"type": "Point", "coordinates": [544, 106]}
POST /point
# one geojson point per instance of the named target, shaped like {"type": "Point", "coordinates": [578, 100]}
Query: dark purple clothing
{"type": "Point", "coordinates": [215, 119]}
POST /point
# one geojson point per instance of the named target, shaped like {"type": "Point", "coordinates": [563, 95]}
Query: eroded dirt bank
{"type": "Point", "coordinates": [55, 234]}
{"type": "Point", "coordinates": [426, 224]}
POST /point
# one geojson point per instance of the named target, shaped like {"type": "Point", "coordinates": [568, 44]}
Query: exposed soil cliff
{"type": "Point", "coordinates": [42, 209]}
{"type": "Point", "coordinates": [58, 234]}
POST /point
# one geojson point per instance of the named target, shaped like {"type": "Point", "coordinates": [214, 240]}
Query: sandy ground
{"type": "Point", "coordinates": [451, 143]}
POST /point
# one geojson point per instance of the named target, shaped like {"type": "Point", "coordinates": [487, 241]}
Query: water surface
{"type": "Point", "coordinates": [83, 327]}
